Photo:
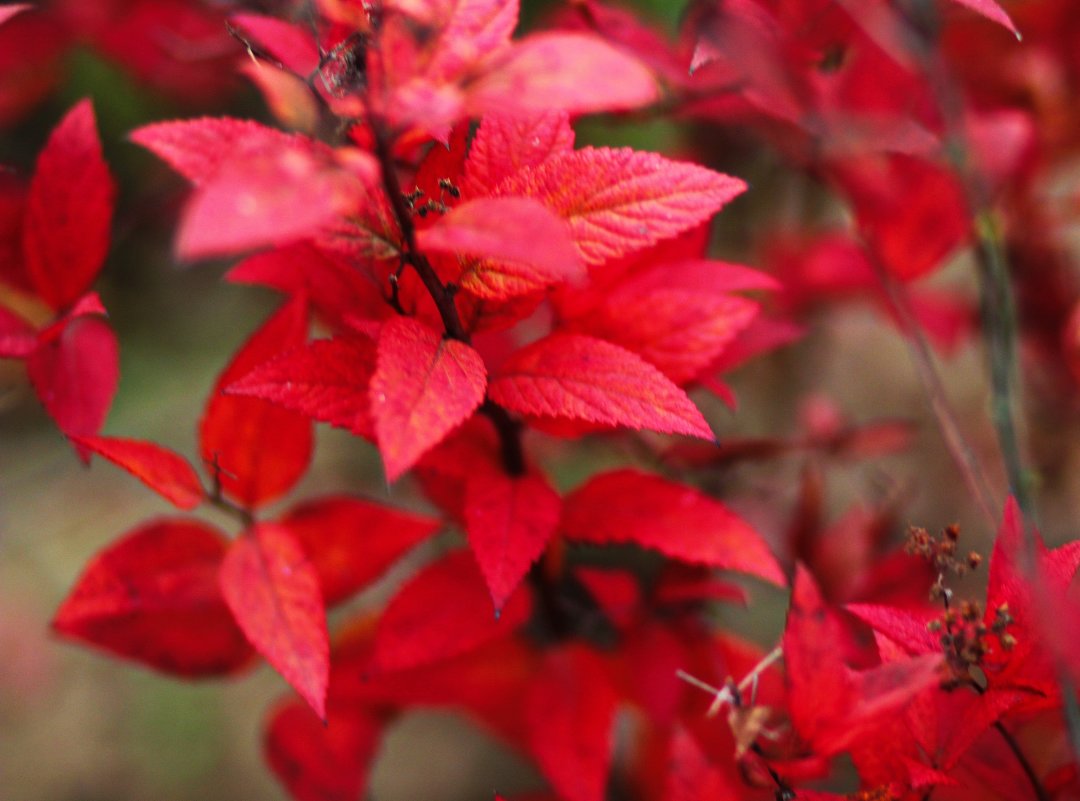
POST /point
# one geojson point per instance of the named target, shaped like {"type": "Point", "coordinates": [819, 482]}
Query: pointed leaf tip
{"type": "Point", "coordinates": [167, 473]}
{"type": "Point", "coordinates": [424, 386]}
{"type": "Point", "coordinates": [273, 592]}
{"type": "Point", "coordinates": [509, 521]}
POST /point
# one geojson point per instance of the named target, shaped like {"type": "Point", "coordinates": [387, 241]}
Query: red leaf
{"type": "Point", "coordinates": [292, 45]}
{"type": "Point", "coordinates": [424, 386]}
{"type": "Point", "coordinates": [509, 520]}
{"type": "Point", "coordinates": [198, 149]}
{"type": "Point", "coordinates": [261, 450]}
{"type": "Point", "coordinates": [618, 201]}
{"type": "Point", "coordinates": [570, 710]}
{"type": "Point", "coordinates": [69, 210]}
{"type": "Point", "coordinates": [582, 378]}
{"type": "Point", "coordinates": [905, 627]}
{"type": "Point", "coordinates": [913, 212]}
{"type": "Point", "coordinates": [505, 145]}
{"type": "Point", "coordinates": [320, 761]}
{"type": "Point", "coordinates": [351, 541]}
{"type": "Point", "coordinates": [442, 612]}
{"type": "Point", "coordinates": [679, 331]}
{"type": "Point", "coordinates": [326, 380]}
{"type": "Point", "coordinates": [266, 198]}
{"type": "Point", "coordinates": [17, 336]}
{"type": "Point", "coordinates": [152, 596]}
{"type": "Point", "coordinates": [7, 12]}
{"type": "Point", "coordinates": [627, 506]}
{"type": "Point", "coordinates": [524, 246]}
{"type": "Point", "coordinates": [273, 592]}
{"type": "Point", "coordinates": [991, 10]}
{"type": "Point", "coordinates": [544, 72]}
{"type": "Point", "coordinates": [165, 472]}
{"type": "Point", "coordinates": [830, 705]}
{"type": "Point", "coordinates": [75, 376]}
{"type": "Point", "coordinates": [335, 288]}
{"type": "Point", "coordinates": [692, 777]}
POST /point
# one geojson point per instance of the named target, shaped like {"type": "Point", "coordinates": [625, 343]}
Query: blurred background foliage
{"type": "Point", "coordinates": [77, 726]}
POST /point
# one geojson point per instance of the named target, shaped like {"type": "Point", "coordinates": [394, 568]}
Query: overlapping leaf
{"type": "Point", "coordinates": [351, 541]}
{"type": "Point", "coordinates": [335, 289]}
{"type": "Point", "coordinates": [255, 186]}
{"type": "Point", "coordinates": [442, 612]}
{"type": "Point", "coordinates": [75, 374]}
{"type": "Point", "coordinates": [273, 591]}
{"type": "Point", "coordinates": [677, 330]}
{"type": "Point", "coordinates": [629, 506]}
{"type": "Point", "coordinates": [521, 246]}
{"type": "Point", "coordinates": [618, 201]}
{"type": "Point", "coordinates": [830, 704]}
{"type": "Point", "coordinates": [582, 378]}
{"type": "Point", "coordinates": [509, 520]}
{"type": "Point", "coordinates": [326, 379]}
{"type": "Point", "coordinates": [424, 386]}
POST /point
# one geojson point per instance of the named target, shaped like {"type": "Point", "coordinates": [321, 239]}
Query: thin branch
{"type": "Point", "coordinates": [1029, 771]}
{"type": "Point", "coordinates": [507, 428]}
{"type": "Point", "coordinates": [923, 360]}
{"type": "Point", "coordinates": [725, 695]}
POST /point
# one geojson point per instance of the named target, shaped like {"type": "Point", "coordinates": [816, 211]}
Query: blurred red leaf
{"type": "Point", "coordinates": [543, 72]}
{"type": "Point", "coordinates": [162, 470]}
{"type": "Point", "coordinates": [628, 506]}
{"type": "Point", "coordinates": [691, 776]}
{"type": "Point", "coordinates": [152, 596]}
{"type": "Point", "coordinates": [322, 761]}
{"type": "Point", "coordinates": [7, 12]}
{"type": "Point", "coordinates": [291, 44]}
{"type": "Point", "coordinates": [913, 212]}
{"type": "Point", "coordinates": [522, 246]}
{"type": "Point", "coordinates": [442, 612]}
{"type": "Point", "coordinates": [17, 336]}
{"type": "Point", "coordinates": [831, 705]}
{"type": "Point", "coordinates": [509, 520]}
{"type": "Point", "coordinates": [424, 386]}
{"type": "Point", "coordinates": [262, 198]}
{"type": "Point", "coordinates": [351, 542]}
{"type": "Point", "coordinates": [991, 10]}
{"type": "Point", "coordinates": [32, 48]}
{"type": "Point", "coordinates": [584, 378]}
{"type": "Point", "coordinates": [272, 589]}
{"type": "Point", "coordinates": [69, 210]}
{"type": "Point", "coordinates": [261, 450]}
{"type": "Point", "coordinates": [570, 713]}
{"type": "Point", "coordinates": [198, 149]}
{"type": "Point", "coordinates": [75, 376]}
